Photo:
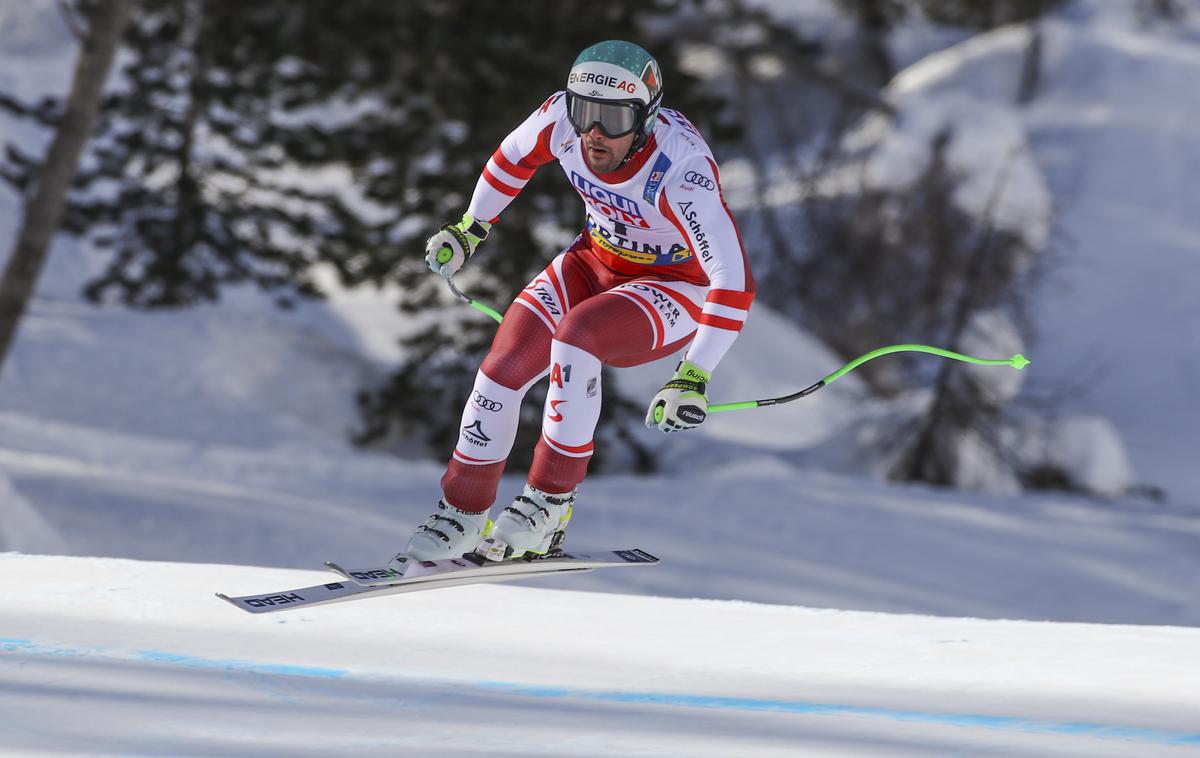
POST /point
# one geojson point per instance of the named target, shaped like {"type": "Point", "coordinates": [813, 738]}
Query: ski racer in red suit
{"type": "Point", "coordinates": [659, 266]}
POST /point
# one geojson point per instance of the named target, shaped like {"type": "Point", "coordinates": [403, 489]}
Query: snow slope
{"type": "Point", "coordinates": [118, 657]}
{"type": "Point", "coordinates": [825, 540]}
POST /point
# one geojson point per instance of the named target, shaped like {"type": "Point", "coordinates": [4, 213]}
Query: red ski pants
{"type": "Point", "coordinates": [574, 317]}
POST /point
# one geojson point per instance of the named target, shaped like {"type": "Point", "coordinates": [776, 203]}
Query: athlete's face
{"type": "Point", "coordinates": [603, 154]}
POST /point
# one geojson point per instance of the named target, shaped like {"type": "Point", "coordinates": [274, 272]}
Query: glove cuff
{"type": "Point", "coordinates": [692, 373]}
{"type": "Point", "coordinates": [474, 229]}
{"type": "Point", "coordinates": [689, 377]}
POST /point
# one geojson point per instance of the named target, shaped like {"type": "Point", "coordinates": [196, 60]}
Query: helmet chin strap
{"type": "Point", "coordinates": [643, 135]}
{"type": "Point", "coordinates": [638, 143]}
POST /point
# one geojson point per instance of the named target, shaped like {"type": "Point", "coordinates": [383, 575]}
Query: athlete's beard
{"type": "Point", "coordinates": [604, 155]}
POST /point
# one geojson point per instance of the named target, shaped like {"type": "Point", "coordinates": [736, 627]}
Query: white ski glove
{"type": "Point", "coordinates": [449, 249]}
{"type": "Point", "coordinates": [681, 403]}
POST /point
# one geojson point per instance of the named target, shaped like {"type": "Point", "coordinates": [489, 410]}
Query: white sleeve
{"type": "Point", "coordinates": [693, 200]}
{"type": "Point", "coordinates": [511, 166]}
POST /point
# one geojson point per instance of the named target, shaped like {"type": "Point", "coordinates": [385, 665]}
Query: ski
{"type": "Point", "coordinates": [401, 568]}
{"type": "Point", "coordinates": [430, 575]}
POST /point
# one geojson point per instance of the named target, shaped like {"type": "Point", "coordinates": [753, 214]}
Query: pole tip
{"type": "Point", "coordinates": [1018, 361]}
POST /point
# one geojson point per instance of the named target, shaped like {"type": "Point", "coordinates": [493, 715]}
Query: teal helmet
{"type": "Point", "coordinates": [616, 85]}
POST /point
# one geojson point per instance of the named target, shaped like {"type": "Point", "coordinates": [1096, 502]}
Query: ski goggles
{"type": "Point", "coordinates": [614, 119]}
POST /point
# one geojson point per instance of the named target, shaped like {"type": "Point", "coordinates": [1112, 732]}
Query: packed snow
{"type": "Point", "coordinates": [129, 658]}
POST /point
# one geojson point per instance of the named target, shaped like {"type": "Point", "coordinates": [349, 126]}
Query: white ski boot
{"type": "Point", "coordinates": [448, 533]}
{"type": "Point", "coordinates": [532, 526]}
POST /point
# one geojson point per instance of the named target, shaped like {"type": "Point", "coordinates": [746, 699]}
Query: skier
{"type": "Point", "coordinates": [659, 264]}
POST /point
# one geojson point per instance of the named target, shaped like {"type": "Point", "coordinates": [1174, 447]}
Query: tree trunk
{"type": "Point", "coordinates": [1031, 66]}
{"type": "Point", "coordinates": [44, 204]}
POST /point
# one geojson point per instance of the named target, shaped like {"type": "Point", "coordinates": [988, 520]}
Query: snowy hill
{"type": "Point", "coordinates": [1112, 129]}
{"type": "Point", "coordinates": [834, 541]}
{"type": "Point", "coordinates": [117, 643]}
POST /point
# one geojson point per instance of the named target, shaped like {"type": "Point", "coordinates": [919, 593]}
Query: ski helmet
{"type": "Point", "coordinates": [618, 86]}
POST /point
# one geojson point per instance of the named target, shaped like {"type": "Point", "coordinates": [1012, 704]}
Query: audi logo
{"type": "Point", "coordinates": [700, 180]}
{"type": "Point", "coordinates": [486, 404]}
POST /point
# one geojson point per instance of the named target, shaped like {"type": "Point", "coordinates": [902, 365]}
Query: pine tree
{"type": "Point", "coordinates": [200, 151]}
{"type": "Point", "coordinates": [907, 264]}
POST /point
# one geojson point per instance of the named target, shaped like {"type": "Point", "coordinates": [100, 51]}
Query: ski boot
{"type": "Point", "coordinates": [532, 527]}
{"type": "Point", "coordinates": [448, 533]}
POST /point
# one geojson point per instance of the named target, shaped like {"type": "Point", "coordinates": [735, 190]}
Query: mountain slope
{"type": "Point", "coordinates": [90, 647]}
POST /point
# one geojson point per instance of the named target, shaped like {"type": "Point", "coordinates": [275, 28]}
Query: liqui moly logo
{"type": "Point", "coordinates": [616, 207]}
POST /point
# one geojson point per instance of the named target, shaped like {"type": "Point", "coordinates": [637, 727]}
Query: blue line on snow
{"type": "Point", "coordinates": [14, 645]}
{"type": "Point", "coordinates": [284, 669]}
{"type": "Point", "coordinates": [1004, 723]}
{"type": "Point", "coordinates": [1009, 723]}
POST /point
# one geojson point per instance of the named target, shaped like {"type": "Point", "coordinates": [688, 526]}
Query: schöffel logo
{"type": "Point", "coordinates": [693, 221]}
{"type": "Point", "coordinates": [616, 207]}
{"type": "Point", "coordinates": [486, 404]}
{"type": "Point", "coordinates": [700, 180]}
{"type": "Point", "coordinates": [474, 434]}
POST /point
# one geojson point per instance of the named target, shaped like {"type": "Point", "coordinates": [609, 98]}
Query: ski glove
{"type": "Point", "coordinates": [449, 249]}
{"type": "Point", "coordinates": [681, 403]}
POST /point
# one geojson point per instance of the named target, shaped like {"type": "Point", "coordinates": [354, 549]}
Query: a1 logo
{"type": "Point", "coordinates": [560, 374]}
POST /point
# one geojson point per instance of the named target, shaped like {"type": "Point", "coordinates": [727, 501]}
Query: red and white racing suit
{"type": "Point", "coordinates": [659, 264]}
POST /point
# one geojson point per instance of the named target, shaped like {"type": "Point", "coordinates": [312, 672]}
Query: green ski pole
{"type": "Point", "coordinates": [468, 299]}
{"type": "Point", "coordinates": [1017, 362]}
